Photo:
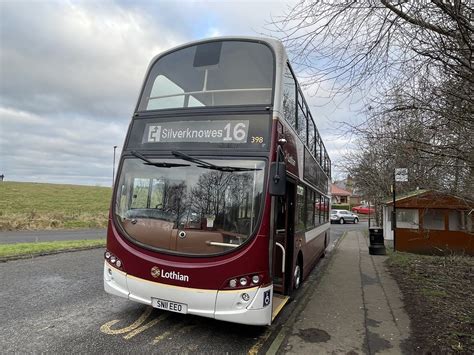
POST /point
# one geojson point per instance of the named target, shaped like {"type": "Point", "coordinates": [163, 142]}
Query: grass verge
{"type": "Point", "coordinates": [437, 293]}
{"type": "Point", "coordinates": [34, 206]}
{"type": "Point", "coordinates": [8, 251]}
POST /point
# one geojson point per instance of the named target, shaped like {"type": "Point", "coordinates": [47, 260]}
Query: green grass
{"type": "Point", "coordinates": [437, 292]}
{"type": "Point", "coordinates": [25, 249]}
{"type": "Point", "coordinates": [47, 206]}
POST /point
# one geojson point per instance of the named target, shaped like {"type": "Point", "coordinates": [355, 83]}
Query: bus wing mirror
{"type": "Point", "coordinates": [277, 179]}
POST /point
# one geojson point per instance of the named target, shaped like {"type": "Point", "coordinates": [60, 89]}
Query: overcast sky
{"type": "Point", "coordinates": [70, 72]}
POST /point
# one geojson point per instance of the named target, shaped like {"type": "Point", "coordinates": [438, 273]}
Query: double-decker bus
{"type": "Point", "coordinates": [220, 207]}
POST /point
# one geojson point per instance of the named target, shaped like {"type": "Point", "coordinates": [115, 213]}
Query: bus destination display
{"type": "Point", "coordinates": [225, 131]}
{"type": "Point", "coordinates": [197, 132]}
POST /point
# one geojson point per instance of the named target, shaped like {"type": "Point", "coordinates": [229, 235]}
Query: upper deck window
{"type": "Point", "coordinates": [220, 73]}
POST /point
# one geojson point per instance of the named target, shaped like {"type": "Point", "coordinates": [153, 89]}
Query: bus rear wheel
{"type": "Point", "coordinates": [323, 254]}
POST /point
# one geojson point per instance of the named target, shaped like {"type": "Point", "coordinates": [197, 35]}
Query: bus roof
{"type": "Point", "coordinates": [275, 44]}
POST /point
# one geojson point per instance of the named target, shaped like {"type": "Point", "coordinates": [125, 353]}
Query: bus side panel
{"type": "Point", "coordinates": [313, 247]}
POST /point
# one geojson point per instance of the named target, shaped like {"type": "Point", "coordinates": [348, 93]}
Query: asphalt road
{"type": "Point", "coordinates": [57, 304]}
{"type": "Point", "coordinates": [50, 235]}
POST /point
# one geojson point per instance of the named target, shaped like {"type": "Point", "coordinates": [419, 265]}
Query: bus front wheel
{"type": "Point", "coordinates": [297, 277]}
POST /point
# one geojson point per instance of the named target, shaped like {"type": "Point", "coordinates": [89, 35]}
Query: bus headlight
{"type": "Point", "coordinates": [113, 260]}
{"type": "Point", "coordinates": [243, 281]}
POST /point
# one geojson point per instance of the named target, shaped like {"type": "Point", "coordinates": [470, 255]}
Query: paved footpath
{"type": "Point", "coordinates": [356, 307]}
{"type": "Point", "coordinates": [51, 235]}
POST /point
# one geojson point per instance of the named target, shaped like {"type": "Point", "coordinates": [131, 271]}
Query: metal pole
{"type": "Point", "coordinates": [113, 169]}
{"type": "Point", "coordinates": [394, 215]}
{"type": "Point", "coordinates": [369, 213]}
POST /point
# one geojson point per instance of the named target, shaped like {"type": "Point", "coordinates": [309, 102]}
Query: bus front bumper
{"type": "Point", "coordinates": [251, 306]}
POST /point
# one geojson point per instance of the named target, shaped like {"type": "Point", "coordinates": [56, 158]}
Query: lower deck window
{"type": "Point", "coordinates": [190, 208]}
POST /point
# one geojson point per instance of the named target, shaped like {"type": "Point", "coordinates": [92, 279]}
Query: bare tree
{"type": "Point", "coordinates": [359, 44]}
{"type": "Point", "coordinates": [413, 62]}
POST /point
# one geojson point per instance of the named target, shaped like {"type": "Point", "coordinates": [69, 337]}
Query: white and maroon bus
{"type": "Point", "coordinates": [220, 207]}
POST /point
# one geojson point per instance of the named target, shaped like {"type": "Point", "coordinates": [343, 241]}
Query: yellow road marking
{"type": "Point", "coordinates": [146, 326]}
{"type": "Point", "coordinates": [161, 337]}
{"type": "Point", "coordinates": [187, 328]}
{"type": "Point", "coordinates": [107, 327]}
{"type": "Point", "coordinates": [175, 329]}
{"type": "Point", "coordinates": [254, 349]}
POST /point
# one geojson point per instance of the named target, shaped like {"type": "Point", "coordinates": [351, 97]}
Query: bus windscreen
{"type": "Point", "coordinates": [190, 206]}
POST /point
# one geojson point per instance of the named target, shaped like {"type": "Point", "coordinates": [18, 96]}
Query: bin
{"type": "Point", "coordinates": [376, 240]}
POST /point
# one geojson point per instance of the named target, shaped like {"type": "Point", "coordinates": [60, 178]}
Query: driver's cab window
{"type": "Point", "coordinates": [140, 193]}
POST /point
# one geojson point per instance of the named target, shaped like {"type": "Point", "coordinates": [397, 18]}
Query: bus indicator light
{"type": "Point", "coordinates": [233, 283]}
{"type": "Point", "coordinates": [243, 281]}
{"type": "Point", "coordinates": [255, 279]}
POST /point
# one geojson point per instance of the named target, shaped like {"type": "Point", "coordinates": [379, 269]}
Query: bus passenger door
{"type": "Point", "coordinates": [283, 240]}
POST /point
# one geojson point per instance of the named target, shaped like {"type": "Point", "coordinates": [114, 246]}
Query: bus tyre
{"type": "Point", "coordinates": [325, 246]}
{"type": "Point", "coordinates": [297, 277]}
{"type": "Point", "coordinates": [341, 221]}
{"type": "Point", "coordinates": [356, 220]}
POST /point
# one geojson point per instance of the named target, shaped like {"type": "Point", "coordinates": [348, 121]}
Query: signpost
{"type": "Point", "coordinates": [399, 175]}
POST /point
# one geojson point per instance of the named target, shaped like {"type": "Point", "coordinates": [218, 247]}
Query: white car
{"type": "Point", "coordinates": [343, 216]}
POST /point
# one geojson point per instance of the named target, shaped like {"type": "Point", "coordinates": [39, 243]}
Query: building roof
{"type": "Point", "coordinates": [405, 195]}
{"type": "Point", "coordinates": [337, 191]}
{"type": "Point", "coordinates": [430, 199]}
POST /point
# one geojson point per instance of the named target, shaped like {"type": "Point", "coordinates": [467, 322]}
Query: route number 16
{"type": "Point", "coordinates": [237, 134]}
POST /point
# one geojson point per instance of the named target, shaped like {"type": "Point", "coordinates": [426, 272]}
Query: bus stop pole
{"type": "Point", "coordinates": [394, 215]}
{"type": "Point", "coordinates": [369, 214]}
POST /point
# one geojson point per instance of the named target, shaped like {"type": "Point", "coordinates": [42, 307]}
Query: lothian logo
{"type": "Point", "coordinates": [155, 271]}
{"type": "Point", "coordinates": [173, 275]}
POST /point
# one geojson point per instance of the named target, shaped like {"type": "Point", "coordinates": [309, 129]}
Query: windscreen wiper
{"type": "Point", "coordinates": [206, 165]}
{"type": "Point", "coordinates": [159, 165]}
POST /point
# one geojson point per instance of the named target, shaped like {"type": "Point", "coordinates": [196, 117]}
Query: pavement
{"type": "Point", "coordinates": [355, 308]}
{"type": "Point", "coordinates": [10, 237]}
